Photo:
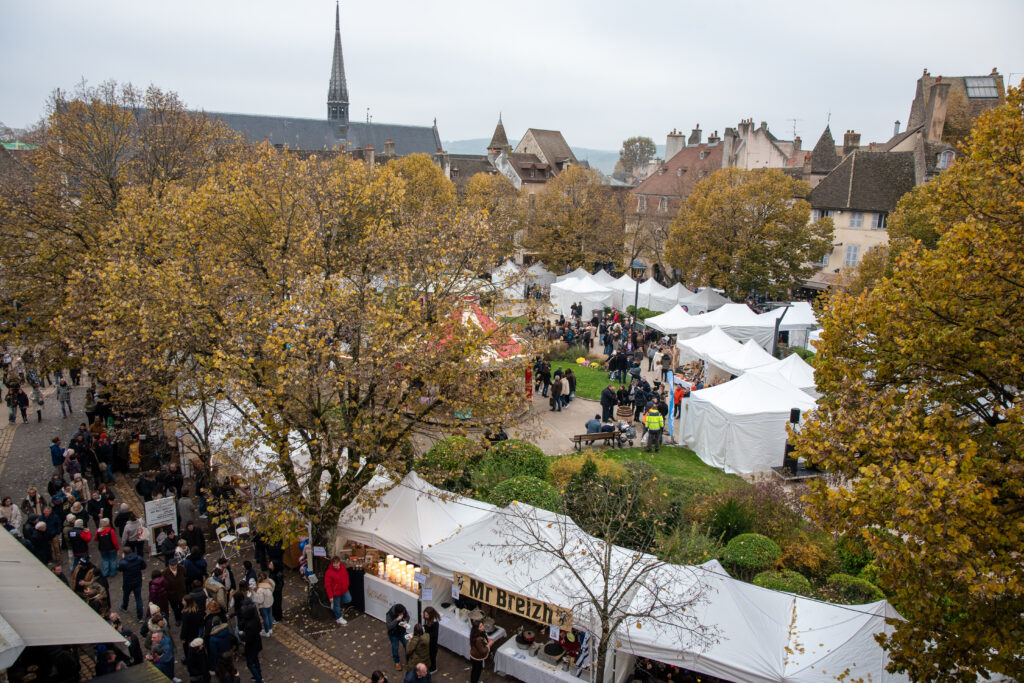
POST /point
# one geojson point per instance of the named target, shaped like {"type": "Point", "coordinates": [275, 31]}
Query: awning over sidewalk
{"type": "Point", "coordinates": [36, 608]}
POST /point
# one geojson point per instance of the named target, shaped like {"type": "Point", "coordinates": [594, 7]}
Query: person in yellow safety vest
{"type": "Point", "coordinates": [655, 423]}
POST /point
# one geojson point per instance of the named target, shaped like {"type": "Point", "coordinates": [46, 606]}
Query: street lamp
{"type": "Point", "coordinates": [637, 270]}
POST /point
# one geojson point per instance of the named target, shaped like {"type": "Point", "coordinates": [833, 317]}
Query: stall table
{"type": "Point", "coordinates": [512, 661]}
{"type": "Point", "coordinates": [379, 595]}
{"type": "Point", "coordinates": [453, 633]}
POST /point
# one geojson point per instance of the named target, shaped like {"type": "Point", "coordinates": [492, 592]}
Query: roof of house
{"type": "Point", "coordinates": [553, 147]}
{"type": "Point", "coordinates": [321, 134]}
{"type": "Point", "coordinates": [499, 140]}
{"type": "Point", "coordinates": [866, 181]}
{"type": "Point", "coordinates": [465, 166]}
{"type": "Point", "coordinates": [680, 174]}
{"type": "Point", "coordinates": [824, 157]}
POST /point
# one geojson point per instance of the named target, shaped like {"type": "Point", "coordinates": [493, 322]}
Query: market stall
{"type": "Point", "coordinates": [624, 288]}
{"type": "Point", "coordinates": [603, 277]}
{"type": "Point", "coordinates": [680, 292]}
{"type": "Point", "coordinates": [583, 290]}
{"type": "Point", "coordinates": [512, 660]}
{"type": "Point", "coordinates": [453, 631]}
{"type": "Point", "coordinates": [703, 300]}
{"type": "Point", "coordinates": [794, 370]}
{"type": "Point", "coordinates": [539, 276]}
{"type": "Point", "coordinates": [797, 320]}
{"type": "Point", "coordinates": [578, 273]}
{"type": "Point", "coordinates": [748, 356]}
{"type": "Point", "coordinates": [669, 321]}
{"type": "Point", "coordinates": [508, 279]}
{"type": "Point", "coordinates": [379, 595]}
{"type": "Point", "coordinates": [652, 295]}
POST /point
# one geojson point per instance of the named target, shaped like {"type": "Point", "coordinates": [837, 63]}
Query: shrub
{"type": "Point", "coordinates": [806, 354]}
{"type": "Point", "coordinates": [529, 490]}
{"type": "Point", "coordinates": [729, 519]}
{"type": "Point", "coordinates": [852, 591]}
{"type": "Point", "coordinates": [869, 573]}
{"type": "Point", "coordinates": [683, 497]}
{"type": "Point", "coordinates": [449, 461]}
{"type": "Point", "coordinates": [748, 554]}
{"type": "Point", "coordinates": [643, 313]}
{"type": "Point", "coordinates": [853, 553]}
{"type": "Point", "coordinates": [810, 557]}
{"type": "Point", "coordinates": [688, 545]}
{"type": "Point", "coordinates": [785, 580]}
{"type": "Point", "coordinates": [508, 459]}
{"type": "Point", "coordinates": [562, 469]}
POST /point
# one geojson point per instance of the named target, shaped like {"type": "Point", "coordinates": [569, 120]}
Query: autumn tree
{"type": "Point", "coordinates": [748, 232]}
{"type": "Point", "coordinates": [574, 221]}
{"type": "Point", "coordinates": [429, 191]}
{"type": "Point", "coordinates": [494, 195]}
{"type": "Point", "coordinates": [921, 416]}
{"type": "Point", "coordinates": [328, 319]}
{"type": "Point", "coordinates": [636, 151]}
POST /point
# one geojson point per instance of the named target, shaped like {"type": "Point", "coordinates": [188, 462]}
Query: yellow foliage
{"type": "Point", "coordinates": [563, 468]}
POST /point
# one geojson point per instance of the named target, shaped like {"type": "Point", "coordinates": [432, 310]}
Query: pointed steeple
{"type": "Point", "coordinates": [824, 157]}
{"type": "Point", "coordinates": [499, 141]}
{"type": "Point", "coordinates": [337, 93]}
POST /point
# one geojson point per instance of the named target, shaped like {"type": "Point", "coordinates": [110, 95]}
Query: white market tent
{"type": "Point", "coordinates": [579, 272]}
{"type": "Point", "coordinates": [583, 290]}
{"type": "Point", "coordinates": [740, 426]}
{"type": "Point", "coordinates": [794, 370]}
{"type": "Point", "coordinates": [509, 280]}
{"type": "Point", "coordinates": [737, 361]}
{"type": "Point", "coordinates": [736, 320]}
{"type": "Point", "coordinates": [603, 277]}
{"type": "Point", "coordinates": [766, 636]}
{"type": "Point", "coordinates": [409, 518]}
{"type": "Point", "coordinates": [540, 276]}
{"type": "Point", "coordinates": [706, 299]}
{"type": "Point", "coordinates": [38, 609]}
{"type": "Point", "coordinates": [680, 292]}
{"type": "Point", "coordinates": [714, 341]}
{"type": "Point", "coordinates": [799, 316]}
{"type": "Point", "coordinates": [669, 321]}
{"type": "Point", "coordinates": [653, 295]}
{"type": "Point", "coordinates": [623, 286]}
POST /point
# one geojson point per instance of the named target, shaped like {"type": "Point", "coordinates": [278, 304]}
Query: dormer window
{"type": "Point", "coordinates": [641, 203]}
{"type": "Point", "coordinates": [946, 159]}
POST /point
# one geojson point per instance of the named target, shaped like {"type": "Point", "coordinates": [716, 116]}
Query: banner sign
{"type": "Point", "coordinates": [528, 608]}
{"type": "Point", "coordinates": [162, 512]}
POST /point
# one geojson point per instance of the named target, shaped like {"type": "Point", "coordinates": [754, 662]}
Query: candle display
{"type": "Point", "coordinates": [399, 572]}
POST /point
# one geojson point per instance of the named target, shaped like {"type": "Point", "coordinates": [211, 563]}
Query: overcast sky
{"type": "Point", "coordinates": [598, 71]}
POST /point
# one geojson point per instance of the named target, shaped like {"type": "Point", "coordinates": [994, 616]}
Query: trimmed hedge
{"type": "Point", "coordinates": [448, 462]}
{"type": "Point", "coordinates": [785, 580]}
{"type": "Point", "coordinates": [853, 591]}
{"type": "Point", "coordinates": [748, 554]}
{"type": "Point", "coordinates": [529, 490]}
{"type": "Point", "coordinates": [508, 459]}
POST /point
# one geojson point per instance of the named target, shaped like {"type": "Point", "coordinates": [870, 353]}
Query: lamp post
{"type": "Point", "coordinates": [636, 270]}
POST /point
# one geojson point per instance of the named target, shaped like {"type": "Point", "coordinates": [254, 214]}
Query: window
{"type": "Point", "coordinates": [824, 260]}
{"type": "Point", "coordinates": [852, 254]}
{"type": "Point", "coordinates": [878, 221]}
{"type": "Point", "coordinates": [663, 205]}
{"type": "Point", "coordinates": [981, 86]}
{"type": "Point", "coordinates": [641, 203]}
{"type": "Point", "coordinates": [703, 154]}
{"type": "Point", "coordinates": [946, 159]}
{"type": "Point", "coordinates": [856, 219]}
{"type": "Point", "coordinates": [828, 213]}
{"type": "Point", "coordinates": [533, 173]}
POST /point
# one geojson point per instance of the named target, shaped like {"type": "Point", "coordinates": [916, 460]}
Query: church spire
{"type": "Point", "coordinates": [499, 141]}
{"type": "Point", "coordinates": [337, 93]}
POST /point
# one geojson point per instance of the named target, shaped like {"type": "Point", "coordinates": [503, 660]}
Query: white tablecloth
{"type": "Point", "coordinates": [453, 633]}
{"type": "Point", "coordinates": [512, 661]}
{"type": "Point", "coordinates": [379, 596]}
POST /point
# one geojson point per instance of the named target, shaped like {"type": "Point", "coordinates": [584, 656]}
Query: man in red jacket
{"type": "Point", "coordinates": [336, 585]}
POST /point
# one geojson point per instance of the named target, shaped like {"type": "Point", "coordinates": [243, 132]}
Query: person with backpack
{"type": "Point", "coordinates": [106, 541]}
{"type": "Point", "coordinates": [78, 541]}
{"type": "Point", "coordinates": [131, 566]}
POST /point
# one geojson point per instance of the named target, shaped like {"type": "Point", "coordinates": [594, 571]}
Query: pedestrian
{"type": "Point", "coordinates": [215, 588]}
{"type": "Point", "coordinates": [105, 456]}
{"type": "Point", "coordinates": [264, 599]}
{"type": "Point", "coordinates": [195, 566]}
{"type": "Point", "coordinates": [250, 627]}
{"type": "Point", "coordinates": [133, 535]}
{"type": "Point", "coordinates": [121, 519]}
{"type": "Point", "coordinates": [378, 677]}
{"type": "Point", "coordinates": [276, 574]}
{"type": "Point", "coordinates": [37, 401]}
{"type": "Point", "coordinates": [655, 423]}
{"type": "Point", "coordinates": [12, 405]}
{"type": "Point", "coordinates": [191, 619]}
{"type": "Point", "coordinates": [417, 649]}
{"type": "Point", "coordinates": [226, 671]}
{"type": "Point", "coordinates": [193, 535]}
{"type": "Point", "coordinates": [417, 674]}
{"type": "Point", "coordinates": [131, 566]}
{"type": "Point", "coordinates": [13, 515]}
{"type": "Point", "coordinates": [479, 649]}
{"type": "Point", "coordinates": [57, 455]}
{"type": "Point", "coordinates": [666, 364]}
{"type": "Point", "coordinates": [53, 529]}
{"type": "Point", "coordinates": [216, 630]}
{"type": "Point", "coordinates": [197, 662]}
{"type": "Point", "coordinates": [174, 575]}
{"type": "Point", "coordinates": [78, 541]}
{"type": "Point", "coordinates": [106, 541]}
{"type": "Point", "coordinates": [336, 585]}
{"type": "Point", "coordinates": [23, 402]}
{"type": "Point", "coordinates": [158, 592]}
{"type": "Point", "coordinates": [33, 503]}
{"type": "Point", "coordinates": [40, 543]}
{"type": "Point", "coordinates": [432, 625]}
{"type": "Point", "coordinates": [556, 395]}
{"type": "Point", "coordinates": [64, 398]}
{"type": "Point", "coordinates": [186, 510]}
{"type": "Point", "coordinates": [396, 621]}
{"type": "Point", "coordinates": [608, 401]}
{"type": "Point", "coordinates": [162, 653]}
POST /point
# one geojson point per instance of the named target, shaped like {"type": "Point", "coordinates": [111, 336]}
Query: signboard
{"type": "Point", "coordinates": [162, 512]}
{"type": "Point", "coordinates": [528, 608]}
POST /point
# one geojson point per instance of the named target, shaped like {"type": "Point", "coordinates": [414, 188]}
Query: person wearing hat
{"type": "Point", "coordinates": [78, 540]}
{"type": "Point", "coordinates": [33, 503]}
{"type": "Point", "coordinates": [174, 575]}
{"type": "Point", "coordinates": [197, 662]}
{"type": "Point", "coordinates": [121, 518]}
{"type": "Point", "coordinates": [40, 541]}
{"type": "Point", "coordinates": [79, 484]}
{"type": "Point", "coordinates": [94, 508]}
{"type": "Point", "coordinates": [106, 541]}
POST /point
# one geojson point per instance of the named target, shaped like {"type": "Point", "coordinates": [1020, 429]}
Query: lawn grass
{"type": "Point", "coordinates": [673, 462]}
{"type": "Point", "coordinates": [589, 382]}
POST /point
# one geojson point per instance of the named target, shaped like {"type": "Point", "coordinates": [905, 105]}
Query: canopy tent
{"type": "Point", "coordinates": [736, 320]}
{"type": "Point", "coordinates": [540, 276]}
{"type": "Point", "coordinates": [669, 321]}
{"type": "Point", "coordinates": [652, 295]}
{"type": "Point", "coordinates": [799, 316]}
{"type": "Point", "coordinates": [622, 286]}
{"type": "Point", "coordinates": [740, 426]}
{"type": "Point", "coordinates": [750, 355]}
{"type": "Point", "coordinates": [583, 290]}
{"type": "Point", "coordinates": [603, 277]}
{"type": "Point", "coordinates": [766, 636]}
{"type": "Point", "coordinates": [408, 518]}
{"type": "Point", "coordinates": [508, 279]}
{"type": "Point", "coordinates": [794, 370]}
{"type": "Point", "coordinates": [714, 341]}
{"type": "Point", "coordinates": [579, 272]}
{"type": "Point", "coordinates": [38, 609]}
{"type": "Point", "coordinates": [680, 292]}
{"type": "Point", "coordinates": [704, 300]}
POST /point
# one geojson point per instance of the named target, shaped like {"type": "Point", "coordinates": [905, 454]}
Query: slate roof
{"type": "Point", "coordinates": [522, 163]}
{"type": "Point", "coordinates": [866, 181]}
{"type": "Point", "coordinates": [499, 140]}
{"type": "Point", "coordinates": [321, 134]}
{"type": "Point", "coordinates": [553, 146]}
{"type": "Point", "coordinates": [465, 166]}
{"type": "Point", "coordinates": [823, 156]}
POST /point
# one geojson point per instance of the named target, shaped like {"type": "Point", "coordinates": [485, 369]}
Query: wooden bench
{"type": "Point", "coordinates": [581, 439]}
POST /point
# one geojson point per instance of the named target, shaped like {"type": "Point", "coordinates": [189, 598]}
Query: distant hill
{"type": "Point", "coordinates": [601, 159]}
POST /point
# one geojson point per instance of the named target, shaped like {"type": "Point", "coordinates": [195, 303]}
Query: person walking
{"type": "Point", "coordinates": [276, 574]}
{"type": "Point", "coordinates": [131, 566]}
{"type": "Point", "coordinates": [23, 402]}
{"type": "Point", "coordinates": [608, 401]}
{"type": "Point", "coordinates": [174, 575]}
{"type": "Point", "coordinates": [12, 404]}
{"type": "Point", "coordinates": [37, 401]}
{"type": "Point", "coordinates": [396, 621]}
{"type": "Point", "coordinates": [336, 584]}
{"type": "Point", "coordinates": [264, 598]}
{"type": "Point", "coordinates": [250, 628]}
{"type": "Point", "coordinates": [106, 541]}
{"type": "Point", "coordinates": [64, 398]}
{"type": "Point", "coordinates": [479, 649]}
{"type": "Point", "coordinates": [556, 395]}
{"type": "Point", "coordinates": [655, 423]}
{"type": "Point", "coordinates": [197, 662]}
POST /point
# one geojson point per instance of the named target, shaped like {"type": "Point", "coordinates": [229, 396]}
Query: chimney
{"type": "Point", "coordinates": [851, 141]}
{"type": "Point", "coordinates": [673, 143]}
{"type": "Point", "coordinates": [389, 147]}
{"type": "Point", "coordinates": [368, 154]}
{"type": "Point", "coordinates": [713, 138]}
{"type": "Point", "coordinates": [796, 144]}
{"type": "Point", "coordinates": [935, 112]}
{"type": "Point", "coordinates": [896, 129]}
{"type": "Point", "coordinates": [694, 136]}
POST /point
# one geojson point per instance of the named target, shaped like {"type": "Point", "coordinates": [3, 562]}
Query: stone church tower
{"type": "Point", "coordinates": [337, 92]}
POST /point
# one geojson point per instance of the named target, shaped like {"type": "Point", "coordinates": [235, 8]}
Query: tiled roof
{"type": "Point", "coordinates": [465, 166]}
{"type": "Point", "coordinates": [523, 163]}
{"type": "Point", "coordinates": [321, 134]}
{"type": "Point", "coordinates": [552, 144]}
{"type": "Point", "coordinates": [682, 172]}
{"type": "Point", "coordinates": [824, 157]}
{"type": "Point", "coordinates": [499, 140]}
{"type": "Point", "coordinates": [866, 181]}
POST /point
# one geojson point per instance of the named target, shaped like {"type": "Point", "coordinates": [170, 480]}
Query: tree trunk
{"type": "Point", "coordinates": [602, 654]}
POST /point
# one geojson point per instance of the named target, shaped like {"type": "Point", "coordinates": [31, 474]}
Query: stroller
{"type": "Point", "coordinates": [626, 433]}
